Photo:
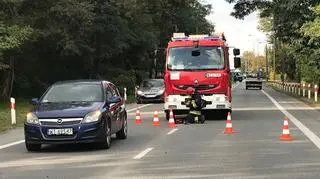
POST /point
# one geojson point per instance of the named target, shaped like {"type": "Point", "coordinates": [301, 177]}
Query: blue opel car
{"type": "Point", "coordinates": [81, 111]}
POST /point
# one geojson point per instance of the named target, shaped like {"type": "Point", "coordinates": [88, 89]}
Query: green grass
{"type": "Point", "coordinates": [131, 99]}
{"type": "Point", "coordinates": [22, 108]}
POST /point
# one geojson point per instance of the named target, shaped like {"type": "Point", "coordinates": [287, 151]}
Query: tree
{"type": "Point", "coordinates": [47, 41]}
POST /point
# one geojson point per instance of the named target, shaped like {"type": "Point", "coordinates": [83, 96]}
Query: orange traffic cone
{"type": "Point", "coordinates": [138, 116]}
{"type": "Point", "coordinates": [229, 129]}
{"type": "Point", "coordinates": [171, 120]}
{"type": "Point", "coordinates": [285, 130]}
{"type": "Point", "coordinates": [155, 119]}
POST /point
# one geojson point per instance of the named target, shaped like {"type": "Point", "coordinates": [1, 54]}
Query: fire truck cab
{"type": "Point", "coordinates": [201, 62]}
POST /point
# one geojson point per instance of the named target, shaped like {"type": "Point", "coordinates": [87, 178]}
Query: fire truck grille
{"type": "Point", "coordinates": [199, 87]}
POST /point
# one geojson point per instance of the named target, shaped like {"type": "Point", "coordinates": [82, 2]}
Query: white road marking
{"type": "Point", "coordinates": [269, 108]}
{"type": "Point", "coordinates": [140, 107]}
{"type": "Point", "coordinates": [11, 144]}
{"type": "Point", "coordinates": [143, 153]}
{"type": "Point", "coordinates": [236, 85]}
{"type": "Point", "coordinates": [146, 113]}
{"type": "Point", "coordinates": [172, 131]}
{"type": "Point", "coordinates": [22, 141]}
{"type": "Point", "coordinates": [313, 137]}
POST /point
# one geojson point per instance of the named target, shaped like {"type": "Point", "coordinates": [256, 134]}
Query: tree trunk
{"type": "Point", "coordinates": [6, 88]}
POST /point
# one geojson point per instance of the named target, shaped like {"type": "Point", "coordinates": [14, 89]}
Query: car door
{"type": "Point", "coordinates": [119, 107]}
{"type": "Point", "coordinates": [112, 108]}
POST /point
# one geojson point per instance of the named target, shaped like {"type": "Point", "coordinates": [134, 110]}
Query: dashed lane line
{"type": "Point", "coordinates": [143, 153]}
{"type": "Point", "coordinates": [172, 131]}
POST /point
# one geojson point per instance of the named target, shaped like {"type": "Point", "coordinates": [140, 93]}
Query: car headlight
{"type": "Point", "coordinates": [161, 91]}
{"type": "Point", "coordinates": [92, 117]}
{"type": "Point", "coordinates": [139, 92]}
{"type": "Point", "coordinates": [32, 118]}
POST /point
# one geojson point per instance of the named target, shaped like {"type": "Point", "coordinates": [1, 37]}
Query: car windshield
{"type": "Point", "coordinates": [205, 58]}
{"type": "Point", "coordinates": [152, 83]}
{"type": "Point", "coordinates": [76, 92]}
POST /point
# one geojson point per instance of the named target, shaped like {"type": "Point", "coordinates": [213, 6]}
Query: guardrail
{"type": "Point", "coordinates": [308, 90]}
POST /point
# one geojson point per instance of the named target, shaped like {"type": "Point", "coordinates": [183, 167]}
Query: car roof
{"type": "Point", "coordinates": [92, 81]}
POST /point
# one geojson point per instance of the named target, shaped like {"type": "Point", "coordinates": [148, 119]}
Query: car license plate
{"type": "Point", "coordinates": [66, 131]}
{"type": "Point", "coordinates": [150, 95]}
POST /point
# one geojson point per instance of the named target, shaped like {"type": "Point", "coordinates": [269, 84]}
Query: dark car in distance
{"type": "Point", "coordinates": [79, 111]}
{"type": "Point", "coordinates": [150, 90]}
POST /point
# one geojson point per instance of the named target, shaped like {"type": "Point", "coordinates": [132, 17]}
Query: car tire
{"type": "Point", "coordinates": [122, 134]}
{"type": "Point", "coordinates": [106, 144]}
{"type": "Point", "coordinates": [33, 147]}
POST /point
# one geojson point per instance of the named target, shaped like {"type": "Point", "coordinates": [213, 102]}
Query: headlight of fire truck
{"type": "Point", "coordinates": [171, 99]}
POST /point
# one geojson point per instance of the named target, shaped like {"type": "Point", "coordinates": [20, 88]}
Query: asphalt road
{"type": "Point", "coordinates": [190, 151]}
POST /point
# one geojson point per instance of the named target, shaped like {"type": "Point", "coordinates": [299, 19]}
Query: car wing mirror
{"type": "Point", "coordinates": [237, 62]}
{"type": "Point", "coordinates": [115, 99]}
{"type": "Point", "coordinates": [34, 101]}
{"type": "Point", "coordinates": [236, 51]}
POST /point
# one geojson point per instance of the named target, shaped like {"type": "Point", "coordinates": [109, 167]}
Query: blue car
{"type": "Point", "coordinates": [80, 111]}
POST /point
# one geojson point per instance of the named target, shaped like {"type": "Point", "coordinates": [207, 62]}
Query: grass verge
{"type": "Point", "coordinates": [22, 108]}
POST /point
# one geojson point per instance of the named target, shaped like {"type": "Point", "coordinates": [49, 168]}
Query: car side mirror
{"type": "Point", "coordinates": [115, 99]}
{"type": "Point", "coordinates": [237, 62]}
{"type": "Point", "coordinates": [236, 51]}
{"type": "Point", "coordinates": [34, 101]}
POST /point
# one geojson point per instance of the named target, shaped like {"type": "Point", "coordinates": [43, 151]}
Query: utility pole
{"type": "Point", "coordinates": [267, 70]}
{"type": "Point", "coordinates": [274, 45]}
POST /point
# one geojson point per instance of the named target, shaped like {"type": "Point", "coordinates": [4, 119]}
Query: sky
{"type": "Point", "coordinates": [242, 34]}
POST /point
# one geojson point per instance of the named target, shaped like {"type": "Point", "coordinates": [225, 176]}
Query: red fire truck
{"type": "Point", "coordinates": [201, 62]}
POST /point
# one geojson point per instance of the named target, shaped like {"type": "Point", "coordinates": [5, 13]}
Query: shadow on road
{"type": "Point", "coordinates": [76, 147]}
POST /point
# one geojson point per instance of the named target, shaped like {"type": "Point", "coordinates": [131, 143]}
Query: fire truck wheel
{"type": "Point", "coordinates": [167, 115]}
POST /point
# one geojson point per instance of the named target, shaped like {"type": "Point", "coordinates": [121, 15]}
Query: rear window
{"type": "Point", "coordinates": [76, 92]}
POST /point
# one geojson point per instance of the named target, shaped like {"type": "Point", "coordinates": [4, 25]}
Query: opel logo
{"type": "Point", "coordinates": [59, 121]}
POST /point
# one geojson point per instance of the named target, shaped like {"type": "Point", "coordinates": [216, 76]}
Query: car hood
{"type": "Point", "coordinates": [66, 110]}
{"type": "Point", "coordinates": [153, 89]}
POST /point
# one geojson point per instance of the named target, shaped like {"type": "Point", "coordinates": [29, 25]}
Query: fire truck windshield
{"type": "Point", "coordinates": [184, 58]}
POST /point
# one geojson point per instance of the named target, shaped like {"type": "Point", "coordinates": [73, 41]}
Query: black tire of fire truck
{"type": "Point", "coordinates": [167, 114]}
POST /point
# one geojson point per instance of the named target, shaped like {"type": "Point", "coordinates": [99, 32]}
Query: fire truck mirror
{"type": "Point", "coordinates": [196, 53]}
{"type": "Point", "coordinates": [236, 51]}
{"type": "Point", "coordinates": [237, 62]}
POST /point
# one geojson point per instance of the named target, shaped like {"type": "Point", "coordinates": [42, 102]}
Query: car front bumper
{"type": "Point", "coordinates": [151, 98]}
{"type": "Point", "coordinates": [82, 133]}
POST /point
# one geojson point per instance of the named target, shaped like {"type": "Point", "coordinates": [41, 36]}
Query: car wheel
{"type": "Point", "coordinates": [107, 141]}
{"type": "Point", "coordinates": [122, 134]}
{"type": "Point", "coordinates": [33, 147]}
